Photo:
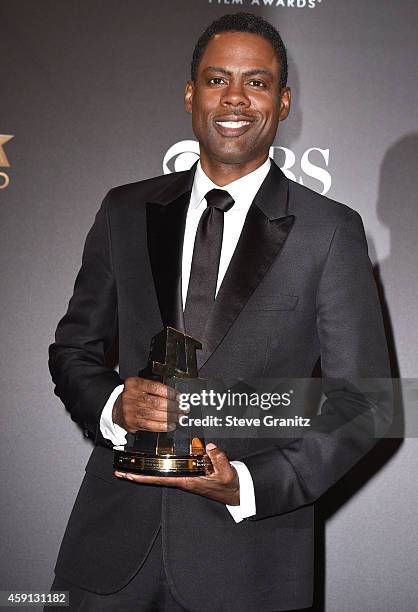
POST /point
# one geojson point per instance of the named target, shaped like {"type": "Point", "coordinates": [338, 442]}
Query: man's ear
{"type": "Point", "coordinates": [285, 99]}
{"type": "Point", "coordinates": [188, 96]}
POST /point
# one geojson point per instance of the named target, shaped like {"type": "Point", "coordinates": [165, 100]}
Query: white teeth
{"type": "Point", "coordinates": [233, 124]}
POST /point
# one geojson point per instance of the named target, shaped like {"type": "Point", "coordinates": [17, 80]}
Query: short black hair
{"type": "Point", "coordinates": [242, 22]}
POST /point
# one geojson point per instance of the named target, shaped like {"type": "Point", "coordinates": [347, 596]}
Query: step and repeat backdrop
{"type": "Point", "coordinates": [91, 96]}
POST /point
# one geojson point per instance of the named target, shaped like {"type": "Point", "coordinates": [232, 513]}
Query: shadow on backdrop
{"type": "Point", "coordinates": [396, 279]}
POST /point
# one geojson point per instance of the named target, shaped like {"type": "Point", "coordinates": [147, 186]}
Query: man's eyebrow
{"type": "Point", "coordinates": [248, 73]}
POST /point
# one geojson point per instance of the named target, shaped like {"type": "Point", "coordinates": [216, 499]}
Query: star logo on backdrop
{"type": "Point", "coordinates": [4, 162]}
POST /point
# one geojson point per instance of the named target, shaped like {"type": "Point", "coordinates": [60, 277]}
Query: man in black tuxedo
{"type": "Point", "coordinates": [293, 284]}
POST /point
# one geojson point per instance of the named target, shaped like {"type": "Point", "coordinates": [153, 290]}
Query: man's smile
{"type": "Point", "coordinates": [233, 126]}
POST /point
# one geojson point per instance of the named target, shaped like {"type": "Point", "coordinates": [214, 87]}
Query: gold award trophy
{"type": "Point", "coordinates": [172, 361]}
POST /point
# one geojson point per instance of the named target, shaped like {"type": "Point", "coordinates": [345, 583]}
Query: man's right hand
{"type": "Point", "coordinates": [146, 405]}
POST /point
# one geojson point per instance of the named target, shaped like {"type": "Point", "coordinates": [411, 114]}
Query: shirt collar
{"type": "Point", "coordinates": [243, 190]}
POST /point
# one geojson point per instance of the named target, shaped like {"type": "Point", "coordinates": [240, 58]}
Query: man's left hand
{"type": "Point", "coordinates": [222, 485]}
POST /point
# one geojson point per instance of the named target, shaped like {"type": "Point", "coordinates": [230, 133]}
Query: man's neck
{"type": "Point", "coordinates": [222, 174]}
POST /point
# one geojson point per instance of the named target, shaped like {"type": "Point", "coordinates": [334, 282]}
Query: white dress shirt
{"type": "Point", "coordinates": [243, 191]}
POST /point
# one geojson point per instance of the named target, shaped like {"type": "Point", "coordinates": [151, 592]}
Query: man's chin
{"type": "Point", "coordinates": [233, 158]}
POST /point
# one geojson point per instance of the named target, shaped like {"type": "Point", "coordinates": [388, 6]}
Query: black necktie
{"type": "Point", "coordinates": [205, 263]}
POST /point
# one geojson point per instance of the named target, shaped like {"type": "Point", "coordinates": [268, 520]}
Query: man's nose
{"type": "Point", "coordinates": [235, 95]}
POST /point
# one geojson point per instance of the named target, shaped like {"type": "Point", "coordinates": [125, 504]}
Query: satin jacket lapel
{"type": "Point", "coordinates": [265, 230]}
{"type": "Point", "coordinates": [166, 219]}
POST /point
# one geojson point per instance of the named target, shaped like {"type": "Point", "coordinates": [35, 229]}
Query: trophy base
{"type": "Point", "coordinates": [166, 465]}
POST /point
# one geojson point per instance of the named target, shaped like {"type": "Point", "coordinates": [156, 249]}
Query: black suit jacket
{"type": "Point", "coordinates": [299, 287]}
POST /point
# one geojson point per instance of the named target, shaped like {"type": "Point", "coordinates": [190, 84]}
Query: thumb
{"type": "Point", "coordinates": [218, 458]}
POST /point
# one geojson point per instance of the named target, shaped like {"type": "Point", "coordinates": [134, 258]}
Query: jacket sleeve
{"type": "Point", "coordinates": [355, 380]}
{"type": "Point", "coordinates": [86, 332]}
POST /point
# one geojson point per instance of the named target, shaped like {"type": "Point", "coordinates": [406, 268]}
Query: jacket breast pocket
{"type": "Point", "coordinates": [273, 302]}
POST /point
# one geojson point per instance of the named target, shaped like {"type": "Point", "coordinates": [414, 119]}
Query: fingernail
{"type": "Point", "coordinates": [210, 446]}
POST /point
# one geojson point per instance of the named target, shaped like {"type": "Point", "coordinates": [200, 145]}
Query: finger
{"type": "Point", "coordinates": [156, 426]}
{"type": "Point", "coordinates": [151, 414]}
{"type": "Point", "coordinates": [137, 477]}
{"type": "Point", "coordinates": [132, 410]}
{"type": "Point", "coordinates": [153, 426]}
{"type": "Point", "coordinates": [135, 385]}
{"type": "Point", "coordinates": [160, 404]}
{"type": "Point", "coordinates": [153, 387]}
{"type": "Point", "coordinates": [218, 458]}
{"type": "Point", "coordinates": [156, 403]}
{"type": "Point", "coordinates": [156, 480]}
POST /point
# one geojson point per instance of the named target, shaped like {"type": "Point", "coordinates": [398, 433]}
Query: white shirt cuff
{"type": "Point", "coordinates": [246, 507]}
{"type": "Point", "coordinates": [110, 430]}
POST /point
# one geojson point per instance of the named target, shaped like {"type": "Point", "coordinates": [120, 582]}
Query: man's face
{"type": "Point", "coordinates": [236, 102]}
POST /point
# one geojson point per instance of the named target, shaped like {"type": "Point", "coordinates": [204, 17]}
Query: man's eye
{"type": "Point", "coordinates": [216, 81]}
{"type": "Point", "coordinates": [257, 83]}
